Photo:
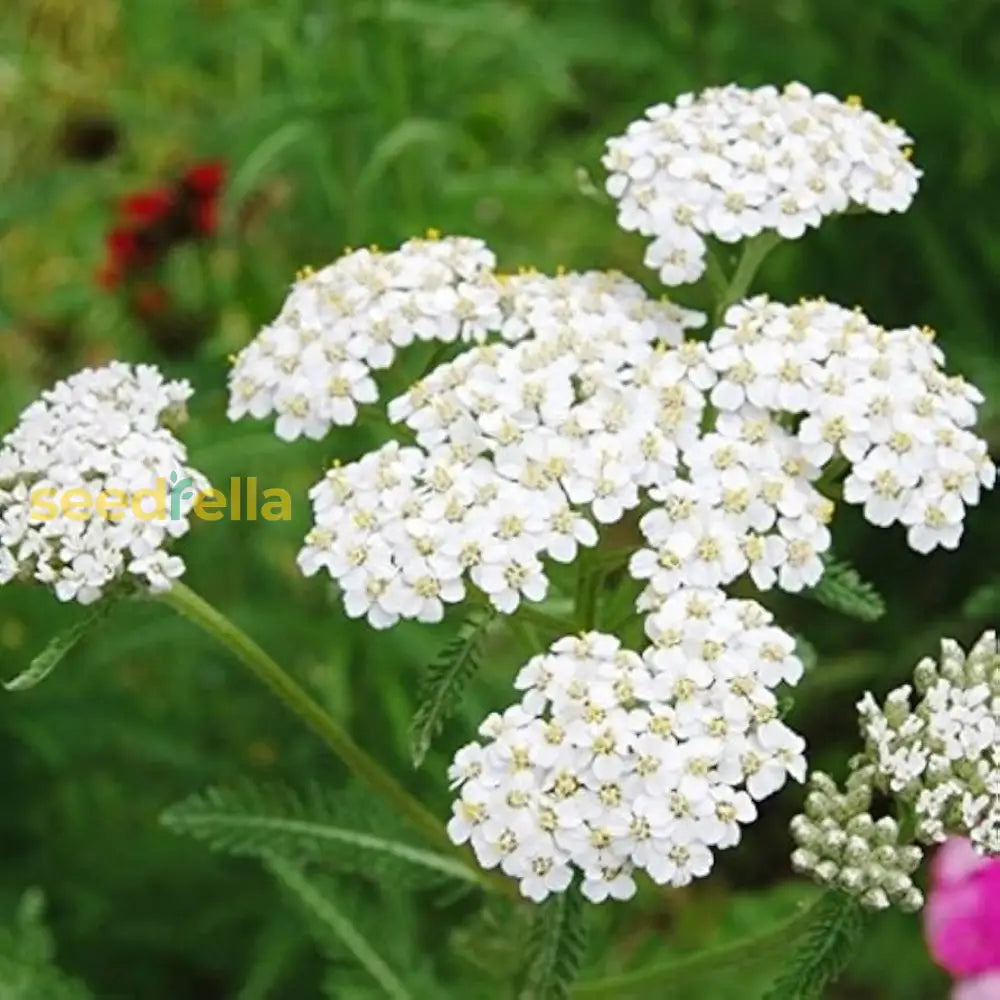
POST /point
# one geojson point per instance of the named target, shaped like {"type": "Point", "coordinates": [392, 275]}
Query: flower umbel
{"type": "Point", "coordinates": [731, 163]}
{"type": "Point", "coordinates": [100, 432]}
{"type": "Point", "coordinates": [614, 763]}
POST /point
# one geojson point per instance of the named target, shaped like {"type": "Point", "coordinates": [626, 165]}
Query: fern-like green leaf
{"type": "Point", "coordinates": [331, 829]}
{"type": "Point", "coordinates": [326, 918]}
{"type": "Point", "coordinates": [27, 958]}
{"type": "Point", "coordinates": [445, 680]}
{"type": "Point", "coordinates": [57, 648]}
{"type": "Point", "coordinates": [555, 948]}
{"type": "Point", "coordinates": [842, 589]}
{"type": "Point", "coordinates": [824, 950]}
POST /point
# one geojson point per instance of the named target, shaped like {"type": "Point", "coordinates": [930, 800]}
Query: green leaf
{"type": "Point", "coordinates": [327, 918]}
{"type": "Point", "coordinates": [57, 649]}
{"type": "Point", "coordinates": [555, 948]}
{"type": "Point", "coordinates": [27, 958]}
{"type": "Point", "coordinates": [983, 602]}
{"type": "Point", "coordinates": [406, 135]}
{"type": "Point", "coordinates": [842, 589]}
{"type": "Point", "coordinates": [806, 652]}
{"type": "Point", "coordinates": [824, 951]}
{"type": "Point", "coordinates": [342, 834]}
{"type": "Point", "coordinates": [445, 680]}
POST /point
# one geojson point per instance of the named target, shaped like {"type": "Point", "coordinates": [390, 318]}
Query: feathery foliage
{"type": "Point", "coordinates": [333, 829]}
{"type": "Point", "coordinates": [842, 589]}
{"type": "Point", "coordinates": [445, 680]}
{"type": "Point", "coordinates": [555, 948]}
{"type": "Point", "coordinates": [58, 647]}
{"type": "Point", "coordinates": [824, 950]}
{"type": "Point", "coordinates": [27, 958]}
{"type": "Point", "coordinates": [325, 918]}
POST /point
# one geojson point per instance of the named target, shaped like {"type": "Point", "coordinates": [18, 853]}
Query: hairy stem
{"type": "Point", "coordinates": [744, 953]}
{"type": "Point", "coordinates": [186, 602]}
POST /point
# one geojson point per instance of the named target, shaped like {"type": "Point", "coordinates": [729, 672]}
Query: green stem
{"type": "Point", "coordinates": [829, 483]}
{"type": "Point", "coordinates": [591, 592]}
{"type": "Point", "coordinates": [543, 621]}
{"type": "Point", "coordinates": [715, 275]}
{"type": "Point", "coordinates": [744, 953]}
{"type": "Point", "coordinates": [186, 602]}
{"type": "Point", "coordinates": [754, 252]}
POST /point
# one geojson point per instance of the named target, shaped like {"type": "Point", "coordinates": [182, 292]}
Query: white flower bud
{"type": "Point", "coordinates": [875, 899]}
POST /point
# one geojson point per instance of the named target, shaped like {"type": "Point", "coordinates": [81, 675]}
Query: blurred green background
{"type": "Point", "coordinates": [344, 123]}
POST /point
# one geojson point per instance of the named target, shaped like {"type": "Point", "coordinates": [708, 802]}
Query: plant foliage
{"type": "Point", "coordinates": [555, 948]}
{"type": "Point", "coordinates": [824, 950]}
{"type": "Point", "coordinates": [445, 680]}
{"type": "Point", "coordinates": [57, 648]}
{"type": "Point", "coordinates": [336, 830]}
{"type": "Point", "coordinates": [27, 958]}
{"type": "Point", "coordinates": [842, 589]}
{"type": "Point", "coordinates": [325, 919]}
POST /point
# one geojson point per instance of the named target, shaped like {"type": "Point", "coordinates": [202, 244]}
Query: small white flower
{"type": "Point", "coordinates": [101, 434]}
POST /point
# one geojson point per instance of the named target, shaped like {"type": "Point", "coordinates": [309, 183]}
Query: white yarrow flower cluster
{"type": "Point", "coordinates": [582, 407]}
{"type": "Point", "coordinates": [615, 763]}
{"type": "Point", "coordinates": [100, 431]}
{"type": "Point", "coordinates": [941, 755]}
{"type": "Point", "coordinates": [732, 163]}
{"type": "Point", "coordinates": [876, 399]}
{"type": "Point", "coordinates": [312, 366]}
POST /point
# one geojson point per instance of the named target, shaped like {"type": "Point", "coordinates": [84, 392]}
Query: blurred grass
{"type": "Point", "coordinates": [368, 121]}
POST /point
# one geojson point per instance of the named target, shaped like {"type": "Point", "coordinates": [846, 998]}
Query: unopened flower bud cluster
{"type": "Point", "coordinates": [840, 844]}
{"type": "Point", "coordinates": [615, 763]}
{"type": "Point", "coordinates": [936, 758]}
{"type": "Point", "coordinates": [98, 431]}
{"type": "Point", "coordinates": [731, 163]}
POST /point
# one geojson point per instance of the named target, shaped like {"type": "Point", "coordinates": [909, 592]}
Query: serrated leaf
{"type": "Point", "coordinates": [555, 948]}
{"type": "Point", "coordinates": [326, 916]}
{"type": "Point", "coordinates": [57, 649]}
{"type": "Point", "coordinates": [27, 958]}
{"type": "Point", "coordinates": [444, 681]}
{"type": "Point", "coordinates": [842, 589]}
{"type": "Point", "coordinates": [824, 951]}
{"type": "Point", "coordinates": [261, 821]}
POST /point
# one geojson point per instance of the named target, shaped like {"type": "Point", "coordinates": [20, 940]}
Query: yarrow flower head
{"type": "Point", "coordinates": [313, 365]}
{"type": "Point", "coordinates": [102, 434]}
{"type": "Point", "coordinates": [732, 163]}
{"type": "Point", "coordinates": [579, 398]}
{"type": "Point", "coordinates": [579, 407]}
{"type": "Point", "coordinates": [615, 762]}
{"type": "Point", "coordinates": [937, 759]}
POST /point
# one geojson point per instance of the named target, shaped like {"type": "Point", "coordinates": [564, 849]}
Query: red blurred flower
{"type": "Point", "coordinates": [153, 221]}
{"type": "Point", "coordinates": [122, 244]}
{"type": "Point", "coordinates": [147, 208]}
{"type": "Point", "coordinates": [206, 217]}
{"type": "Point", "coordinates": [205, 178]}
